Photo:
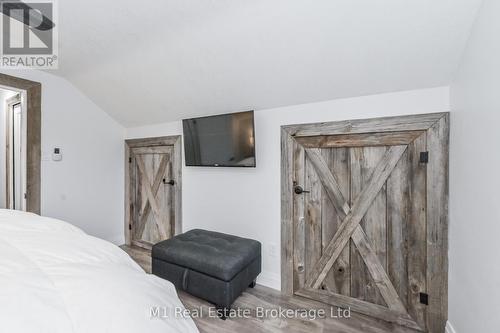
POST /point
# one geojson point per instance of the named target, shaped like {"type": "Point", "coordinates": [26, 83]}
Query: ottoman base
{"type": "Point", "coordinates": [216, 291]}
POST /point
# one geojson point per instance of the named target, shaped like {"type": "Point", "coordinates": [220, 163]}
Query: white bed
{"type": "Point", "coordinates": [55, 278]}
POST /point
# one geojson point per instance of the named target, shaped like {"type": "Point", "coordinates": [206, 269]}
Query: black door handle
{"type": "Point", "coordinates": [299, 190]}
{"type": "Point", "coordinates": [170, 182]}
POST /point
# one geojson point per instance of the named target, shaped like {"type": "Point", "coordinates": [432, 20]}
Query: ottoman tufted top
{"type": "Point", "coordinates": [212, 253]}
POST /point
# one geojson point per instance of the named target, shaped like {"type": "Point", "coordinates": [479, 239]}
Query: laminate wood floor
{"type": "Point", "coordinates": [261, 298]}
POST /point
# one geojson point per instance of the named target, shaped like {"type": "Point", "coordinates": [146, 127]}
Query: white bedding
{"type": "Point", "coordinates": [55, 278]}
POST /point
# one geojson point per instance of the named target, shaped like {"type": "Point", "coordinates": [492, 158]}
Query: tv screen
{"type": "Point", "coordinates": [221, 141]}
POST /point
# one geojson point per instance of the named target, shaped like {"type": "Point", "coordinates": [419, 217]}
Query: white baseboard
{"type": "Point", "coordinates": [271, 280]}
{"type": "Point", "coordinates": [449, 328]}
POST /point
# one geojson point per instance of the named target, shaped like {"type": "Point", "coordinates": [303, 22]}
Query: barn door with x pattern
{"type": "Point", "coordinates": [360, 217]}
{"type": "Point", "coordinates": [153, 204]}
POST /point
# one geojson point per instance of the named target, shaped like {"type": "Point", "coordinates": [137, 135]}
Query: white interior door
{"type": "Point", "coordinates": [16, 153]}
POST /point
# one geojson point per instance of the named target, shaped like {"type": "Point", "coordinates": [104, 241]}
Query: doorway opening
{"type": "Point", "coordinates": [20, 144]}
{"type": "Point", "coordinates": [13, 149]}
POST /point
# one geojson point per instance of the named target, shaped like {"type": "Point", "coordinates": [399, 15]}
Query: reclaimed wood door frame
{"type": "Point", "coordinates": [174, 141]}
{"type": "Point", "coordinates": [33, 95]}
{"type": "Point", "coordinates": [396, 132]}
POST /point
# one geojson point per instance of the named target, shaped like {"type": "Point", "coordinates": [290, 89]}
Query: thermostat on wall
{"type": "Point", "coordinates": [57, 155]}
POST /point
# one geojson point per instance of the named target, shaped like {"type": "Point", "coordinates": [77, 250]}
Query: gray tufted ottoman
{"type": "Point", "coordinates": [210, 265]}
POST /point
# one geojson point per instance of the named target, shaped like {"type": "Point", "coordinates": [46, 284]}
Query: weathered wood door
{"type": "Point", "coordinates": [365, 216]}
{"type": "Point", "coordinates": [153, 184]}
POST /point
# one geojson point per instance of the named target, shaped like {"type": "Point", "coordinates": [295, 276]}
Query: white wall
{"type": "Point", "coordinates": [246, 202]}
{"type": "Point", "coordinates": [86, 187]}
{"type": "Point", "coordinates": [475, 181]}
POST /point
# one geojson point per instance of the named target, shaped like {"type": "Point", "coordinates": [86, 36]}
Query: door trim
{"type": "Point", "coordinates": [33, 137]}
{"type": "Point", "coordinates": [436, 126]}
{"type": "Point", "coordinates": [176, 142]}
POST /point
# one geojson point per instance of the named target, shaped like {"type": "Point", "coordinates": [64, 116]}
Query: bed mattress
{"type": "Point", "coordinates": [56, 278]}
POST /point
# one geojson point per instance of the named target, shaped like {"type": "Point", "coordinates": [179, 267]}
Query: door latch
{"type": "Point", "coordinates": [170, 182]}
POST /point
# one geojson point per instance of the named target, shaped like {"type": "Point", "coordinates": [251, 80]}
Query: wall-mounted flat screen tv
{"type": "Point", "coordinates": [220, 141]}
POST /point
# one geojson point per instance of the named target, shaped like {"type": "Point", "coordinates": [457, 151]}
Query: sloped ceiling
{"type": "Point", "coordinates": [153, 61]}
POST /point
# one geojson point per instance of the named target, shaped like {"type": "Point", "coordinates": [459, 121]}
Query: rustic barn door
{"type": "Point", "coordinates": [153, 187]}
{"type": "Point", "coordinates": [365, 216]}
